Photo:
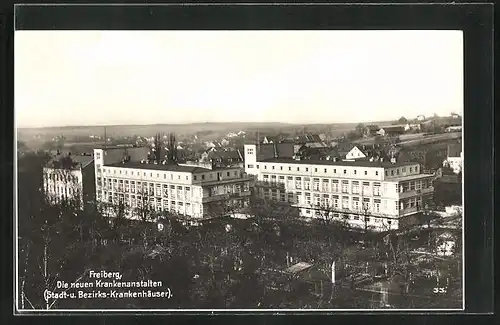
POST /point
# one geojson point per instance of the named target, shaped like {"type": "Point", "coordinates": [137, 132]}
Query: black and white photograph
{"type": "Point", "coordinates": [244, 170]}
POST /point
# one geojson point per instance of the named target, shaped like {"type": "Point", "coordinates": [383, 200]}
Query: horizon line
{"type": "Point", "coordinates": [192, 123]}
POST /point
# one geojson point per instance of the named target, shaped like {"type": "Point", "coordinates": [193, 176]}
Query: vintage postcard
{"type": "Point", "coordinates": [239, 170]}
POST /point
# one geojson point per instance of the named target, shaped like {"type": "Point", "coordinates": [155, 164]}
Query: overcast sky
{"type": "Point", "coordinates": [145, 77]}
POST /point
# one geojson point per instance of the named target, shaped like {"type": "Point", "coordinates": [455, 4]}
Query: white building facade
{"type": "Point", "coordinates": [61, 184]}
{"type": "Point", "coordinates": [378, 195]}
{"type": "Point", "coordinates": [191, 191]}
{"type": "Point", "coordinates": [70, 180]}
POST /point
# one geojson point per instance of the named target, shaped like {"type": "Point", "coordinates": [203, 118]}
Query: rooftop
{"type": "Point", "coordinates": [410, 177]}
{"type": "Point", "coordinates": [359, 163]}
{"type": "Point", "coordinates": [70, 161]}
{"type": "Point", "coordinates": [170, 168]}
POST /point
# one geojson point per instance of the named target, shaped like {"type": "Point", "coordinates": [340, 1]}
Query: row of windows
{"type": "Point", "coordinates": [403, 170]}
{"type": "Point", "coordinates": [315, 180]}
{"type": "Point", "coordinates": [58, 177]}
{"type": "Point", "coordinates": [325, 170]}
{"type": "Point", "coordinates": [62, 190]}
{"type": "Point", "coordinates": [195, 177]}
{"type": "Point", "coordinates": [132, 173]}
{"type": "Point", "coordinates": [145, 185]}
{"type": "Point", "coordinates": [393, 172]}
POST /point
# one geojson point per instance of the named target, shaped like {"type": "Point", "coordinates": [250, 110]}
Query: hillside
{"type": "Point", "coordinates": [212, 129]}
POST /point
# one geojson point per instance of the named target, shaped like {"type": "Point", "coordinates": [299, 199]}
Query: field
{"type": "Point", "coordinates": [416, 139]}
{"type": "Point", "coordinates": [432, 139]}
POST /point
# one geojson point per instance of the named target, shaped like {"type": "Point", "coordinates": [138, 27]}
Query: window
{"type": "Point", "coordinates": [325, 170]}
{"type": "Point", "coordinates": [315, 170]}
{"type": "Point", "coordinates": [227, 173]}
{"type": "Point", "coordinates": [411, 169]}
{"type": "Point", "coordinates": [249, 151]}
{"type": "Point", "coordinates": [376, 173]}
{"type": "Point", "coordinates": [403, 169]}
{"type": "Point", "coordinates": [355, 187]}
{"type": "Point", "coordinates": [249, 166]}
{"type": "Point", "coordinates": [366, 172]}
{"type": "Point", "coordinates": [392, 172]}
{"type": "Point", "coordinates": [307, 169]}
{"type": "Point", "coordinates": [265, 166]}
{"type": "Point", "coordinates": [289, 168]}
{"type": "Point", "coordinates": [386, 173]}
{"type": "Point", "coordinates": [345, 185]}
{"type": "Point", "coordinates": [298, 169]}
{"type": "Point", "coordinates": [164, 176]}
{"type": "Point", "coordinates": [397, 171]}
{"type": "Point", "coordinates": [316, 184]}
{"type": "Point", "coordinates": [202, 177]}
{"type": "Point", "coordinates": [281, 167]}
{"type": "Point", "coordinates": [272, 167]}
{"type": "Point", "coordinates": [257, 166]}
{"type": "Point", "coordinates": [355, 171]}
{"type": "Point", "coordinates": [195, 177]}
{"type": "Point", "coordinates": [345, 171]}
{"type": "Point", "coordinates": [335, 171]}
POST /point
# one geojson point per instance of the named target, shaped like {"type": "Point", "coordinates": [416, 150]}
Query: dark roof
{"type": "Point", "coordinates": [308, 138]}
{"type": "Point", "coordinates": [232, 154]}
{"type": "Point", "coordinates": [373, 127]}
{"type": "Point", "coordinates": [360, 163]}
{"type": "Point", "coordinates": [70, 161]}
{"type": "Point", "coordinates": [454, 150]}
{"type": "Point", "coordinates": [170, 168]}
{"type": "Point", "coordinates": [83, 160]}
{"type": "Point", "coordinates": [393, 128]}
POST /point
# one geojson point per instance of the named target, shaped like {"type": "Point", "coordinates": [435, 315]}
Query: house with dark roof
{"type": "Point", "coordinates": [371, 130]}
{"type": "Point", "coordinates": [223, 157]}
{"type": "Point", "coordinates": [392, 130]}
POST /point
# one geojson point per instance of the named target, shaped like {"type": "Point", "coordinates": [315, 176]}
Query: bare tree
{"type": "Point", "coordinates": [158, 150]}
{"type": "Point", "coordinates": [172, 149]}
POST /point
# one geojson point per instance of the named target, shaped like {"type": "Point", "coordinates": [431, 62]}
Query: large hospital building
{"type": "Point", "coordinates": [197, 191]}
{"type": "Point", "coordinates": [378, 194]}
